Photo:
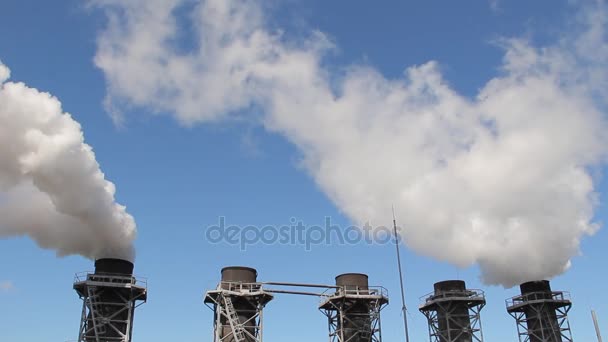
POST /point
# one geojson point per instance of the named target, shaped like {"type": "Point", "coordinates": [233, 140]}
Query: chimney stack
{"type": "Point", "coordinates": [453, 312]}
{"type": "Point", "coordinates": [237, 303]}
{"type": "Point", "coordinates": [110, 296]}
{"type": "Point", "coordinates": [353, 311]}
{"type": "Point", "coordinates": [541, 314]}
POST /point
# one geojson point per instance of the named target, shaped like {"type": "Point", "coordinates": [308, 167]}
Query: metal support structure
{"type": "Point", "coordinates": [238, 309]}
{"type": "Point", "coordinates": [353, 312]}
{"type": "Point", "coordinates": [403, 306]}
{"type": "Point", "coordinates": [596, 325]}
{"type": "Point", "coordinates": [238, 302]}
{"type": "Point", "coordinates": [352, 307]}
{"type": "Point", "coordinates": [109, 303]}
{"type": "Point", "coordinates": [453, 312]}
{"type": "Point", "coordinates": [541, 315]}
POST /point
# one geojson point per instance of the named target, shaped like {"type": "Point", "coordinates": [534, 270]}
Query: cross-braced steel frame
{"type": "Point", "coordinates": [550, 316]}
{"type": "Point", "coordinates": [347, 321]}
{"type": "Point", "coordinates": [108, 306]}
{"type": "Point", "coordinates": [447, 319]}
{"type": "Point", "coordinates": [242, 322]}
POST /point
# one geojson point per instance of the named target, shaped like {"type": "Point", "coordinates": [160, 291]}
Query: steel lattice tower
{"type": "Point", "coordinates": [353, 311]}
{"type": "Point", "coordinates": [541, 315]}
{"type": "Point", "coordinates": [237, 303]}
{"type": "Point", "coordinates": [110, 296]}
{"type": "Point", "coordinates": [453, 312]}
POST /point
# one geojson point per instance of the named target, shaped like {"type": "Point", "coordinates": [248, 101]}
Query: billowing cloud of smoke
{"type": "Point", "coordinates": [51, 187]}
{"type": "Point", "coordinates": [502, 180]}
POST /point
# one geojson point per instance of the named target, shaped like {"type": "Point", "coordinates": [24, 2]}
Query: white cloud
{"type": "Point", "coordinates": [6, 286]}
{"type": "Point", "coordinates": [494, 5]}
{"type": "Point", "coordinates": [5, 73]}
{"type": "Point", "coordinates": [501, 180]}
{"type": "Point", "coordinates": [51, 187]}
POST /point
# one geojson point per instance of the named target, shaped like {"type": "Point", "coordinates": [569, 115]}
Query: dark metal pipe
{"type": "Point", "coordinates": [300, 285]}
{"type": "Point", "coordinates": [296, 293]}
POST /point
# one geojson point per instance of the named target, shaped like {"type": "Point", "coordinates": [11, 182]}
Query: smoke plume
{"type": "Point", "coordinates": [51, 187]}
{"type": "Point", "coordinates": [502, 180]}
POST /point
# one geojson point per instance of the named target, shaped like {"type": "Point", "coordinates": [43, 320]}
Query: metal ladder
{"type": "Point", "coordinates": [237, 328]}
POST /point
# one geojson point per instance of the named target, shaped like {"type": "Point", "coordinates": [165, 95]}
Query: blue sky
{"type": "Point", "coordinates": [177, 177]}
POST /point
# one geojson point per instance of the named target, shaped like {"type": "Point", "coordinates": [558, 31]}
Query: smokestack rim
{"type": "Point", "coordinates": [243, 274]}
{"type": "Point", "coordinates": [351, 274]}
{"type": "Point", "coordinates": [447, 286]}
{"type": "Point", "coordinates": [114, 266]}
{"type": "Point", "coordinates": [352, 281]}
{"type": "Point", "coordinates": [535, 286]}
{"type": "Point", "coordinates": [239, 268]}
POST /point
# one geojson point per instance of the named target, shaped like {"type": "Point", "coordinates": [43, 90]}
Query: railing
{"type": "Point", "coordinates": [239, 286]}
{"type": "Point", "coordinates": [365, 291]}
{"type": "Point", "coordinates": [472, 294]}
{"type": "Point", "coordinates": [560, 296]}
{"type": "Point", "coordinates": [331, 291]}
{"type": "Point", "coordinates": [376, 291]}
{"type": "Point", "coordinates": [110, 278]}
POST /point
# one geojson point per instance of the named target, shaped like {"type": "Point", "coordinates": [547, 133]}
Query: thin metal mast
{"type": "Point", "coordinates": [597, 327]}
{"type": "Point", "coordinates": [403, 307]}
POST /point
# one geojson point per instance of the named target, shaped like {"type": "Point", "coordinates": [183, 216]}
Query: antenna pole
{"type": "Point", "coordinates": [403, 307]}
{"type": "Point", "coordinates": [597, 326]}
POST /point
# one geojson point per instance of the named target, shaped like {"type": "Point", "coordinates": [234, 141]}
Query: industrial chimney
{"type": "Point", "coordinates": [453, 312]}
{"type": "Point", "coordinates": [110, 296]}
{"type": "Point", "coordinates": [541, 314]}
{"type": "Point", "coordinates": [237, 303]}
{"type": "Point", "coordinates": [353, 311]}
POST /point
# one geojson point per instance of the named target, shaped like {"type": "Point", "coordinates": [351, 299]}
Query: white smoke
{"type": "Point", "coordinates": [502, 180]}
{"type": "Point", "coordinates": [51, 187]}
